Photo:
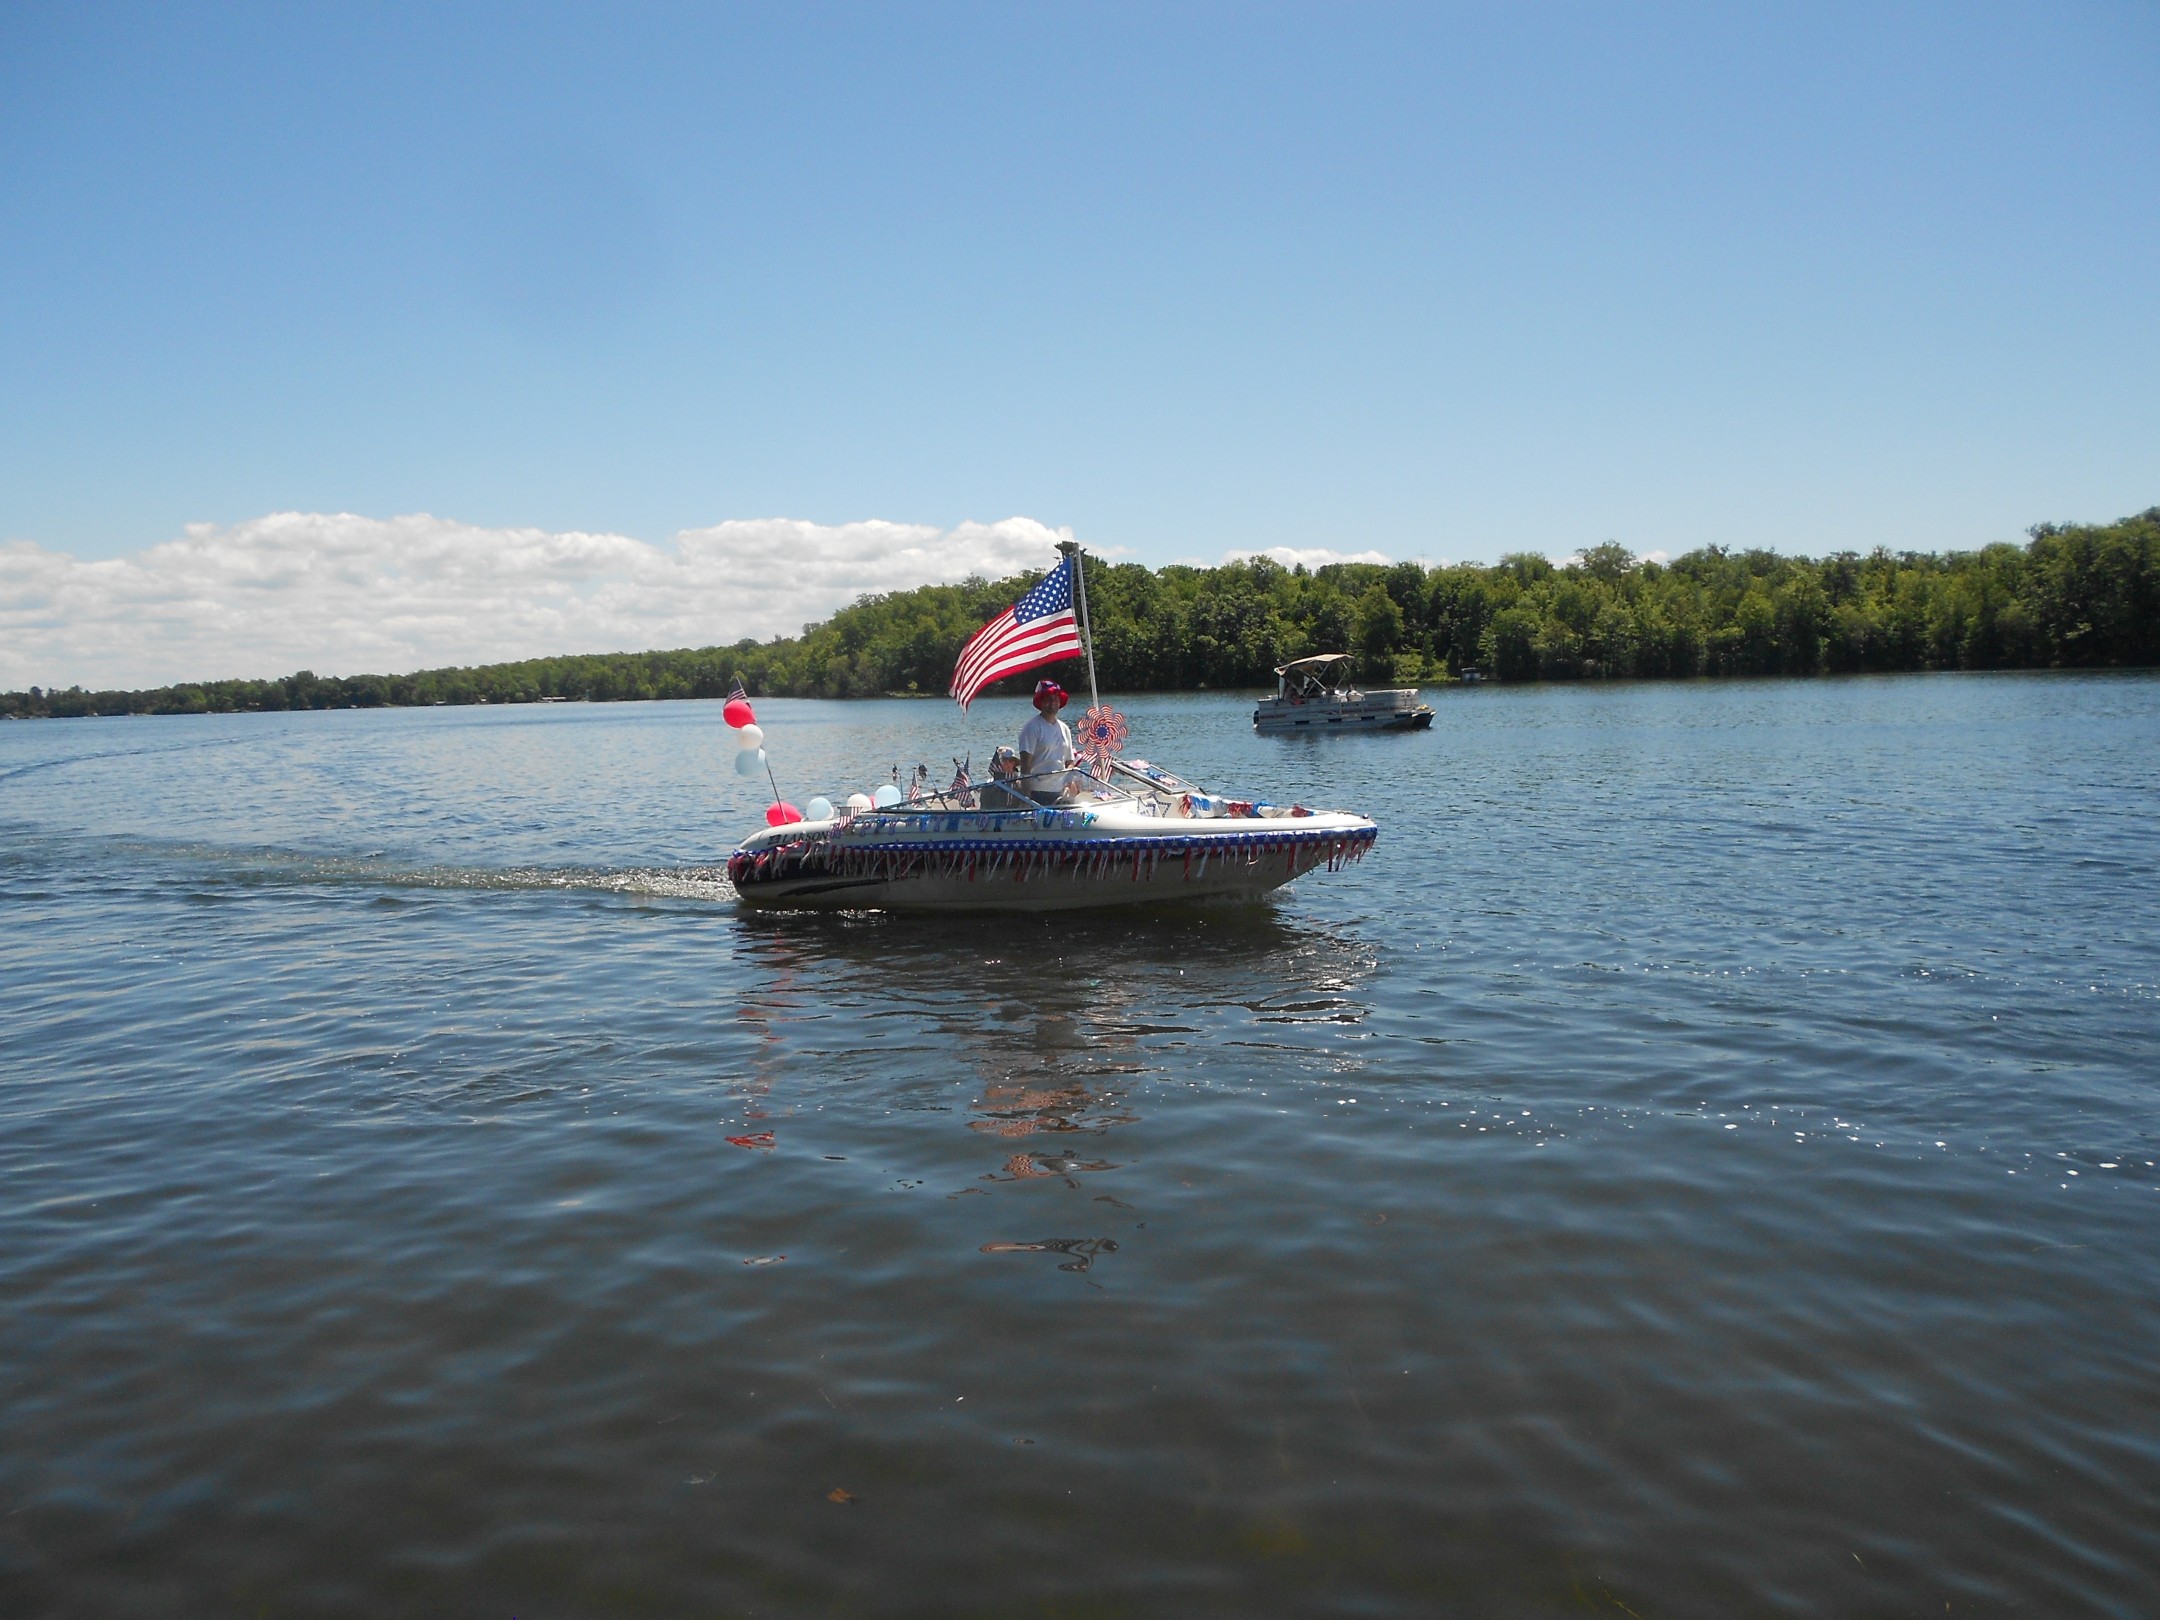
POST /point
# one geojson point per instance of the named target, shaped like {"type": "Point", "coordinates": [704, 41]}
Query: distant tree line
{"type": "Point", "coordinates": [2075, 596]}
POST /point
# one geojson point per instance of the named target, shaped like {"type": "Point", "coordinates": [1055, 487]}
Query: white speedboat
{"type": "Point", "coordinates": [1315, 694]}
{"type": "Point", "coordinates": [1121, 831]}
{"type": "Point", "coordinates": [1135, 834]}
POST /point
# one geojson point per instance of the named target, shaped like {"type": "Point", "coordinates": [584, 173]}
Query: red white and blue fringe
{"type": "Point", "coordinates": [818, 855]}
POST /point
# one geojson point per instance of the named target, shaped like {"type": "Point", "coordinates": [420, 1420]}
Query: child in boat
{"type": "Point", "coordinates": [1002, 791]}
{"type": "Point", "coordinates": [1046, 746]}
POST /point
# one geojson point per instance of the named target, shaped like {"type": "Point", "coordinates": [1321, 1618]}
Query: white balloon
{"type": "Point", "coordinates": [858, 802]}
{"type": "Point", "coordinates": [752, 736]}
{"type": "Point", "coordinates": [818, 809]}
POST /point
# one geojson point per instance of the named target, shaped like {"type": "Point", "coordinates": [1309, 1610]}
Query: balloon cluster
{"type": "Point", "coordinates": [750, 756]}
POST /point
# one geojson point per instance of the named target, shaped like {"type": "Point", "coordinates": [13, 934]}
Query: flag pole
{"type": "Point", "coordinates": [1071, 548]}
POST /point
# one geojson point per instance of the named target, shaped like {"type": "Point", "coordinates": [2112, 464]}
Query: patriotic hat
{"type": "Point", "coordinates": [1045, 689]}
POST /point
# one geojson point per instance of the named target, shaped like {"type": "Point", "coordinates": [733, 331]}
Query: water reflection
{"type": "Point", "coordinates": [1035, 1166]}
{"type": "Point", "coordinates": [1062, 1017]}
{"type": "Point", "coordinates": [1016, 1109]}
{"type": "Point", "coordinates": [1036, 990]}
{"type": "Point", "coordinates": [1069, 1027]}
{"type": "Point", "coordinates": [1081, 1252]}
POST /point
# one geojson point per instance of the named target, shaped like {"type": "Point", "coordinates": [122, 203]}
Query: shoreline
{"type": "Point", "coordinates": [2073, 597]}
{"type": "Point", "coordinates": [1242, 694]}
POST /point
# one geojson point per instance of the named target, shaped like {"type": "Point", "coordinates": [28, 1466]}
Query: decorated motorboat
{"type": "Point", "coordinates": [1100, 829]}
{"type": "Point", "coordinates": [1133, 834]}
{"type": "Point", "coordinates": [1316, 694]}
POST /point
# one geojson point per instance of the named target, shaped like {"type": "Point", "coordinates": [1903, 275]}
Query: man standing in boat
{"type": "Point", "coordinates": [1046, 747]}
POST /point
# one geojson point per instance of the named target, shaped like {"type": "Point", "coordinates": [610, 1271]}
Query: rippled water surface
{"type": "Point", "coordinates": [1703, 1163]}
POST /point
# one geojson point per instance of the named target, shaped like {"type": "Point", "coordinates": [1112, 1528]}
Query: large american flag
{"type": "Point", "coordinates": [1037, 629]}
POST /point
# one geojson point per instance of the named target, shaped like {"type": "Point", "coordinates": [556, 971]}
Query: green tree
{"type": "Point", "coordinates": [1377, 632]}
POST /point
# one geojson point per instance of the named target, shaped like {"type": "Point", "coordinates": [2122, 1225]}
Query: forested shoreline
{"type": "Point", "coordinates": [2074, 596]}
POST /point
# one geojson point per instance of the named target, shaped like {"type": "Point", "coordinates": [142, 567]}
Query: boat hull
{"type": "Point", "coordinates": [1052, 860]}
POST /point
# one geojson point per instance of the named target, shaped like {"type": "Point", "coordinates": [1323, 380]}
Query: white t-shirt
{"type": "Point", "coordinates": [1048, 744]}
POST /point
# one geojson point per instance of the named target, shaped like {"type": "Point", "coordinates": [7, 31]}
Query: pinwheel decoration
{"type": "Point", "coordinates": [1102, 734]}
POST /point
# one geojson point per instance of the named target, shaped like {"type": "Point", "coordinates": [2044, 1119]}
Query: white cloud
{"type": "Point", "coordinates": [1310, 556]}
{"type": "Point", "coordinates": [345, 595]}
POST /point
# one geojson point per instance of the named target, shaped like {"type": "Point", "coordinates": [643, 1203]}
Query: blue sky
{"type": "Point", "coordinates": [1433, 281]}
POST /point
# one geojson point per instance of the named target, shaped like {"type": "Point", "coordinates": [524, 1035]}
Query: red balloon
{"type": "Point", "coordinates": [737, 713]}
{"type": "Point", "coordinates": [779, 815]}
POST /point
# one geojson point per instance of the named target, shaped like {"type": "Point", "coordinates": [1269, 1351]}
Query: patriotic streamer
{"type": "Point", "coordinates": [818, 855]}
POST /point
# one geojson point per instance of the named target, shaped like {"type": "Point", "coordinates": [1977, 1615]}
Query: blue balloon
{"type": "Point", "coordinates": [749, 762]}
{"type": "Point", "coordinates": [886, 797]}
{"type": "Point", "coordinates": [818, 809]}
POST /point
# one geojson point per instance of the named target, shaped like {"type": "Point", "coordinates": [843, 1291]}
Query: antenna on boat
{"type": "Point", "coordinates": [1071, 548]}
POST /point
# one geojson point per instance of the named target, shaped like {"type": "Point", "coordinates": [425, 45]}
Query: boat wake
{"type": "Point", "coordinates": [157, 863]}
{"type": "Point", "coordinates": [669, 883]}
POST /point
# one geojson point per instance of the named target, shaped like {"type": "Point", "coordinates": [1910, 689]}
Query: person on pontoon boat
{"type": "Point", "coordinates": [1046, 747]}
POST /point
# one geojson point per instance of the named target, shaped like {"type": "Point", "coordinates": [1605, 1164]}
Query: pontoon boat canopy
{"type": "Point", "coordinates": [1313, 665]}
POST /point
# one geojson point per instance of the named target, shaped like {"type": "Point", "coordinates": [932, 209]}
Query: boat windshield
{"type": "Point", "coordinates": [1086, 784]}
{"type": "Point", "coordinates": [1147, 788]}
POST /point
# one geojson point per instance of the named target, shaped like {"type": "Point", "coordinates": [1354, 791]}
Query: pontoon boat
{"type": "Point", "coordinates": [1315, 694]}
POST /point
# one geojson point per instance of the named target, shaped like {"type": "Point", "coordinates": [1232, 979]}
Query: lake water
{"type": "Point", "coordinates": [1702, 1163]}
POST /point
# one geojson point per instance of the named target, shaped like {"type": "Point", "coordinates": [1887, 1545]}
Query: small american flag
{"type": "Point", "coordinates": [1040, 628]}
